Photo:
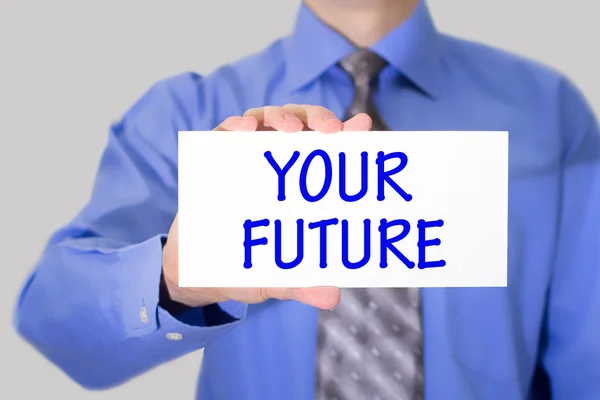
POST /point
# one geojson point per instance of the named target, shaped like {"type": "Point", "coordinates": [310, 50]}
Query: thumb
{"type": "Point", "coordinates": [321, 297]}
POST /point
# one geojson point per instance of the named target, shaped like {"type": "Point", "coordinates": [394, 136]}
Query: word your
{"type": "Point", "coordinates": [386, 243]}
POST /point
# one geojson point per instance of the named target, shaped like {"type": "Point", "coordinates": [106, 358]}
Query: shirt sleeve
{"type": "Point", "coordinates": [91, 305]}
{"type": "Point", "coordinates": [571, 339]}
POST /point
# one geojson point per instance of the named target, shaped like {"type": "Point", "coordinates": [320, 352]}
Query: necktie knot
{"type": "Point", "coordinates": [363, 66]}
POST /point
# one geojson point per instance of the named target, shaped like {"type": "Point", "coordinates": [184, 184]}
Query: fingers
{"type": "Point", "coordinates": [282, 120]}
{"type": "Point", "coordinates": [272, 118]}
{"type": "Point", "coordinates": [244, 124]}
{"type": "Point", "coordinates": [316, 118]}
{"type": "Point", "coordinates": [321, 297]}
{"type": "Point", "coordinates": [294, 118]}
{"type": "Point", "coordinates": [360, 122]}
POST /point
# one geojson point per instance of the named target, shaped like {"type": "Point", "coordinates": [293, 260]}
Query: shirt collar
{"type": "Point", "coordinates": [413, 48]}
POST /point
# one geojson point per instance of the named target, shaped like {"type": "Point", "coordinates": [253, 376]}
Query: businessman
{"type": "Point", "coordinates": [104, 306]}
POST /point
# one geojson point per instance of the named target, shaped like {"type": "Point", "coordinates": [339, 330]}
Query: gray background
{"type": "Point", "coordinates": [69, 68]}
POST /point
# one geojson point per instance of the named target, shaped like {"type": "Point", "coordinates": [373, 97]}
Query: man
{"type": "Point", "coordinates": [103, 304]}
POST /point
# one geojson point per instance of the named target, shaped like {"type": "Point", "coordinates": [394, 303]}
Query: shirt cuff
{"type": "Point", "coordinates": [141, 271]}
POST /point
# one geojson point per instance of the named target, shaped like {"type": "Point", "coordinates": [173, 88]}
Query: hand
{"type": "Point", "coordinates": [289, 118]}
{"type": "Point", "coordinates": [294, 118]}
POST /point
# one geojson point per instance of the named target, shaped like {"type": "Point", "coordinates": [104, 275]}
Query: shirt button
{"type": "Point", "coordinates": [174, 336]}
{"type": "Point", "coordinates": [144, 315]}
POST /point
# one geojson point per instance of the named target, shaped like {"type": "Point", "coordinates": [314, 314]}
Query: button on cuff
{"type": "Point", "coordinates": [174, 336]}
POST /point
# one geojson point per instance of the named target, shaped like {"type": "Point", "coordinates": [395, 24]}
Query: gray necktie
{"type": "Point", "coordinates": [369, 346]}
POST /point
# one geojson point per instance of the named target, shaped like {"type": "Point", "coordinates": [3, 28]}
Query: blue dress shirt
{"type": "Point", "coordinates": [91, 305]}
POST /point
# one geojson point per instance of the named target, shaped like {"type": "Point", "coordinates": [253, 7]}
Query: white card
{"type": "Point", "coordinates": [425, 209]}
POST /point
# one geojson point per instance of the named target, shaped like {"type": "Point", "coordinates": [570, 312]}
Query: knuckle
{"type": "Point", "coordinates": [226, 122]}
{"type": "Point", "coordinates": [263, 294]}
{"type": "Point", "coordinates": [319, 110]}
{"type": "Point", "coordinates": [270, 110]}
{"type": "Point", "coordinates": [251, 111]}
{"type": "Point", "coordinates": [326, 111]}
{"type": "Point", "coordinates": [231, 119]}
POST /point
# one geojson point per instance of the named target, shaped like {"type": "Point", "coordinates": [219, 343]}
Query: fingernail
{"type": "Point", "coordinates": [290, 117]}
{"type": "Point", "coordinates": [247, 118]}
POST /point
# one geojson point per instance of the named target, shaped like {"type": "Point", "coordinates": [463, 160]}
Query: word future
{"type": "Point", "coordinates": [388, 243]}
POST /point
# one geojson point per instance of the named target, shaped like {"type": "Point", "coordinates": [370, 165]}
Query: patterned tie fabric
{"type": "Point", "coordinates": [369, 346]}
{"type": "Point", "coordinates": [363, 67]}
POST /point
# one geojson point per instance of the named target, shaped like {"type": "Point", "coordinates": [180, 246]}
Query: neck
{"type": "Point", "coordinates": [363, 22]}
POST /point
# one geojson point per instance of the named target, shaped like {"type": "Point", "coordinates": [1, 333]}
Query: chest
{"type": "Point", "coordinates": [464, 328]}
